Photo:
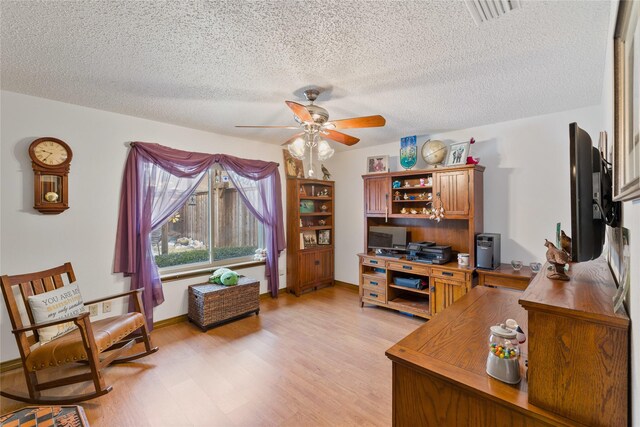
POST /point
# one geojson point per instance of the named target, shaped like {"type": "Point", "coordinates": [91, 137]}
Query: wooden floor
{"type": "Point", "coordinates": [316, 360]}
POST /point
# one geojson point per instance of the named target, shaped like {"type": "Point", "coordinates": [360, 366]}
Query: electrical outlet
{"type": "Point", "coordinates": [93, 310]}
{"type": "Point", "coordinates": [106, 307]}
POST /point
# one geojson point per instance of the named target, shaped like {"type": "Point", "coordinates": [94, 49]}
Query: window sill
{"type": "Point", "coordinates": [180, 275]}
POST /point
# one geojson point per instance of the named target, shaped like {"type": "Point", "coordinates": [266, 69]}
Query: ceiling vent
{"type": "Point", "coordinates": [485, 10]}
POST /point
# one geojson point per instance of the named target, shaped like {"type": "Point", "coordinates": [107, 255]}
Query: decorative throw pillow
{"type": "Point", "coordinates": [62, 302]}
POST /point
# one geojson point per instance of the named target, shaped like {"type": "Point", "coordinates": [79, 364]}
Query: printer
{"type": "Point", "coordinates": [428, 253]}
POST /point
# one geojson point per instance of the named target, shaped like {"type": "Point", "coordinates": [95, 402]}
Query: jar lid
{"type": "Point", "coordinates": [503, 332]}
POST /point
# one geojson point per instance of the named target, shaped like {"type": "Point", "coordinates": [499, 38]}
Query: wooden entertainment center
{"type": "Point", "coordinates": [402, 199]}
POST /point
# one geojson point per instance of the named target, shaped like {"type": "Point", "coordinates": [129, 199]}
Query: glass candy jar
{"type": "Point", "coordinates": [503, 360]}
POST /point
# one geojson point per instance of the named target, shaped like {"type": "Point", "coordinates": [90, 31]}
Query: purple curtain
{"type": "Point", "coordinates": [157, 181]}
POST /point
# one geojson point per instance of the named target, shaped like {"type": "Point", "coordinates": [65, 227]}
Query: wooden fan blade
{"type": "Point", "coordinates": [290, 140]}
{"type": "Point", "coordinates": [300, 111]}
{"type": "Point", "coordinates": [340, 137]}
{"type": "Point", "coordinates": [357, 122]}
{"type": "Point", "coordinates": [270, 127]}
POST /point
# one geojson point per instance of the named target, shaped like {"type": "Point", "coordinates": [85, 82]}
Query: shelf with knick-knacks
{"type": "Point", "coordinates": [413, 195]}
{"type": "Point", "coordinates": [310, 228]}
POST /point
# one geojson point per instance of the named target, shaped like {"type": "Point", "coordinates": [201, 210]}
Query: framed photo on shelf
{"type": "Point", "coordinates": [307, 206]}
{"type": "Point", "coordinates": [293, 168]}
{"type": "Point", "coordinates": [308, 239]}
{"type": "Point", "coordinates": [324, 237]}
{"type": "Point", "coordinates": [378, 164]}
{"type": "Point", "coordinates": [458, 154]}
{"type": "Point", "coordinates": [626, 154]}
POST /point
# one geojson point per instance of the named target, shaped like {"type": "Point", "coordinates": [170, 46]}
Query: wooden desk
{"type": "Point", "coordinates": [444, 284]}
{"type": "Point", "coordinates": [439, 376]}
{"type": "Point", "coordinates": [506, 276]}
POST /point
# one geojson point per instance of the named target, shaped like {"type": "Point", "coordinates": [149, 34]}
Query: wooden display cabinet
{"type": "Point", "coordinates": [310, 228]}
{"type": "Point", "coordinates": [458, 189]}
{"type": "Point", "coordinates": [403, 199]}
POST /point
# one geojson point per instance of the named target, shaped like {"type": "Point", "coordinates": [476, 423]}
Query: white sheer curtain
{"type": "Point", "coordinates": [163, 193]}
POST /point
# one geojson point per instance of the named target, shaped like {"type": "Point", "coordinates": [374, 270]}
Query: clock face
{"type": "Point", "coordinates": [51, 153]}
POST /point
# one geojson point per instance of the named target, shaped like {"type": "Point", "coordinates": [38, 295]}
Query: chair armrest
{"type": "Point", "coordinates": [124, 294]}
{"type": "Point", "coordinates": [74, 319]}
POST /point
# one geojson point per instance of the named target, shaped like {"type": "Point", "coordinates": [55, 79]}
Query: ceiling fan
{"type": "Point", "coordinates": [313, 121]}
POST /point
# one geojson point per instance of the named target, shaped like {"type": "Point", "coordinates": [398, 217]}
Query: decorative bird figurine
{"type": "Point", "coordinates": [325, 173]}
{"type": "Point", "coordinates": [565, 243]}
{"type": "Point", "coordinates": [558, 258]}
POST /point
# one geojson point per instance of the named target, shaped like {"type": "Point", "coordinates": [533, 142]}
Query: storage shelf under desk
{"type": "Point", "coordinates": [444, 284]}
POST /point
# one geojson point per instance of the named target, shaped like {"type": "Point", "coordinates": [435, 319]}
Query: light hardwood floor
{"type": "Point", "coordinates": [316, 360]}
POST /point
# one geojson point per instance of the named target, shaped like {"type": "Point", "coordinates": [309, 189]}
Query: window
{"type": "Point", "coordinates": [213, 227]}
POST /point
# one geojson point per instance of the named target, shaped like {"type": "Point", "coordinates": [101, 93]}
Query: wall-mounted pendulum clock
{"type": "Point", "coordinates": [50, 159]}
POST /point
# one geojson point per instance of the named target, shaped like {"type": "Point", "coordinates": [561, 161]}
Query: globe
{"type": "Point", "coordinates": [434, 152]}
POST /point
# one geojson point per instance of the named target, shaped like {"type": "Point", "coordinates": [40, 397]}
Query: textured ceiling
{"type": "Point", "coordinates": [424, 65]}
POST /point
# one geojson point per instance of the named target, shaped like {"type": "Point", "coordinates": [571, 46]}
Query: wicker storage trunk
{"type": "Point", "coordinates": [211, 305]}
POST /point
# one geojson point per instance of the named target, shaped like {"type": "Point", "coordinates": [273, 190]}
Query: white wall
{"type": "Point", "coordinates": [526, 184]}
{"type": "Point", "coordinates": [85, 234]}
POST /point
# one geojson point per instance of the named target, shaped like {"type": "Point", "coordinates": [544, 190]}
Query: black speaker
{"type": "Point", "coordinates": [488, 251]}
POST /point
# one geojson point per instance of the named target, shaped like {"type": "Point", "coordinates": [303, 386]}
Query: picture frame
{"type": "Point", "coordinates": [626, 152]}
{"type": "Point", "coordinates": [377, 164]}
{"type": "Point", "coordinates": [324, 237]}
{"type": "Point", "coordinates": [457, 155]}
{"type": "Point", "coordinates": [307, 206]}
{"type": "Point", "coordinates": [293, 168]}
{"type": "Point", "coordinates": [309, 239]}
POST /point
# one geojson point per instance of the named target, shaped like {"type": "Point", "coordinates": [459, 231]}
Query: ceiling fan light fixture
{"type": "Point", "coordinates": [297, 148]}
{"type": "Point", "coordinates": [324, 150]}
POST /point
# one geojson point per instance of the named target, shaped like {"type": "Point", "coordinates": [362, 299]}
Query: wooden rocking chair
{"type": "Point", "coordinates": [97, 344]}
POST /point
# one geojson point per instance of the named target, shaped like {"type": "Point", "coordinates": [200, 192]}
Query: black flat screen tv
{"type": "Point", "coordinates": [592, 207]}
{"type": "Point", "coordinates": [387, 238]}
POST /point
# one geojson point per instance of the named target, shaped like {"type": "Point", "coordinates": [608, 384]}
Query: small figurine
{"type": "Point", "coordinates": [412, 197]}
{"type": "Point", "coordinates": [406, 196]}
{"type": "Point", "coordinates": [413, 211]}
{"type": "Point", "coordinates": [406, 184]}
{"type": "Point", "coordinates": [558, 258]}
{"type": "Point", "coordinates": [403, 211]}
{"type": "Point", "coordinates": [429, 181]}
{"type": "Point", "coordinates": [421, 196]}
{"type": "Point", "coordinates": [396, 195]}
{"type": "Point", "coordinates": [396, 184]}
{"type": "Point", "coordinates": [425, 211]}
{"type": "Point", "coordinates": [325, 173]}
{"type": "Point", "coordinates": [321, 222]}
{"type": "Point", "coordinates": [422, 182]}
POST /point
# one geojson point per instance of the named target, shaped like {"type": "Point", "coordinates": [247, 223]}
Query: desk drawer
{"type": "Point", "coordinates": [507, 282]}
{"type": "Point", "coordinates": [420, 270]}
{"type": "Point", "coordinates": [374, 294]}
{"type": "Point", "coordinates": [373, 282]}
{"type": "Point", "coordinates": [374, 262]}
{"type": "Point", "coordinates": [448, 274]}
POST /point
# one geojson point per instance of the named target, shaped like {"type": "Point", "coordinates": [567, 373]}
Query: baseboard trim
{"type": "Point", "coordinates": [10, 365]}
{"type": "Point", "coordinates": [346, 285]}
{"type": "Point", "coordinates": [170, 321]}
